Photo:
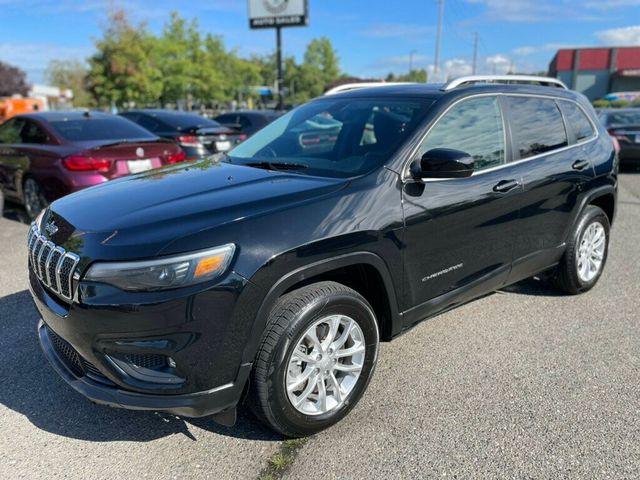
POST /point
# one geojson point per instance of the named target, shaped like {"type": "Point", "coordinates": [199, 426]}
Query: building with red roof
{"type": "Point", "coordinates": [597, 72]}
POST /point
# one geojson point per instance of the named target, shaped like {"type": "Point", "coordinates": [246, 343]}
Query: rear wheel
{"type": "Point", "coordinates": [33, 197]}
{"type": "Point", "coordinates": [316, 359]}
{"type": "Point", "coordinates": [586, 253]}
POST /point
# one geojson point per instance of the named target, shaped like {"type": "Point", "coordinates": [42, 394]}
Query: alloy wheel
{"type": "Point", "coordinates": [590, 253]}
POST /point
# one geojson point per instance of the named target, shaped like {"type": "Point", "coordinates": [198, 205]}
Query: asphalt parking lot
{"type": "Point", "coordinates": [522, 383]}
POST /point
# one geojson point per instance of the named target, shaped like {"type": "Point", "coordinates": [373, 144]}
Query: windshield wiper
{"type": "Point", "coordinates": [277, 165]}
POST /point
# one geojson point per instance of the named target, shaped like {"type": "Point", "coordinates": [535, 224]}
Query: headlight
{"type": "Point", "coordinates": [164, 273]}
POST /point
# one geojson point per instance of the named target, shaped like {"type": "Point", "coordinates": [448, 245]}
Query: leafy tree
{"type": "Point", "coordinates": [71, 74]}
{"type": "Point", "coordinates": [13, 81]}
{"type": "Point", "coordinates": [419, 76]}
{"type": "Point", "coordinates": [122, 69]}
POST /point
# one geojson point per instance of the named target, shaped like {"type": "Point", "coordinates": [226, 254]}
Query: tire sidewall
{"type": "Point", "coordinates": [281, 408]}
{"type": "Point", "coordinates": [591, 215]}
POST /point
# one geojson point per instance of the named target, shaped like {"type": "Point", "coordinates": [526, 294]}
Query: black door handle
{"type": "Point", "coordinates": [505, 185]}
{"type": "Point", "coordinates": [580, 164]}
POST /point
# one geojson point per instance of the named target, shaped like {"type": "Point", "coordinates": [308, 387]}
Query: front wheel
{"type": "Point", "coordinates": [316, 359]}
{"type": "Point", "coordinates": [586, 253]}
{"type": "Point", "coordinates": [33, 198]}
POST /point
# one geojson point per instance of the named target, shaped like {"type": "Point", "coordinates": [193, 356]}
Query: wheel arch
{"type": "Point", "coordinates": [365, 272]}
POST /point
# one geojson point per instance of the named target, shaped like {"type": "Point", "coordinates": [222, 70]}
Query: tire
{"type": "Point", "coordinates": [33, 198]}
{"type": "Point", "coordinates": [571, 276]}
{"type": "Point", "coordinates": [287, 353]}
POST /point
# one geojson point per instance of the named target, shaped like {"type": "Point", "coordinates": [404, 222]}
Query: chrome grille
{"type": "Point", "coordinates": [53, 265]}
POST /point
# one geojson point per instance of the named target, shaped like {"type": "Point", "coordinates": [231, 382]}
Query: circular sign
{"type": "Point", "coordinates": [275, 6]}
{"type": "Point", "coordinates": [140, 152]}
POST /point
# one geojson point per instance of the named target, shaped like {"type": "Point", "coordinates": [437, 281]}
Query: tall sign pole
{"type": "Point", "coordinates": [436, 63]}
{"type": "Point", "coordinates": [278, 14]}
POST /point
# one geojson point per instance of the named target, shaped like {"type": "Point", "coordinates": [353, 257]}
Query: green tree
{"type": "Point", "coordinates": [418, 76]}
{"type": "Point", "coordinates": [70, 74]}
{"type": "Point", "coordinates": [122, 70]}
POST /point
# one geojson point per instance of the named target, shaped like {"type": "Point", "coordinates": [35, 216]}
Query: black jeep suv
{"type": "Point", "coordinates": [271, 274]}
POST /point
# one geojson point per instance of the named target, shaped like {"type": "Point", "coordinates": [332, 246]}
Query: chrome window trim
{"type": "Point", "coordinates": [406, 174]}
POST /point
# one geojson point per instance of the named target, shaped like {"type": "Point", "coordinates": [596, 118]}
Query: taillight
{"type": "Point", "coordinates": [242, 137]}
{"type": "Point", "coordinates": [188, 141]}
{"type": "Point", "coordinates": [177, 157]}
{"type": "Point", "coordinates": [618, 135]}
{"type": "Point", "coordinates": [80, 163]}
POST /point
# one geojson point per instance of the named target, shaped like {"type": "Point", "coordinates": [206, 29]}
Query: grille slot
{"type": "Point", "coordinates": [152, 362]}
{"type": "Point", "coordinates": [53, 265]}
{"type": "Point", "coordinates": [67, 353]}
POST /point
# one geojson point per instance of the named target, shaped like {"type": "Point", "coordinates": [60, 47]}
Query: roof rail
{"type": "Point", "coordinates": [508, 79]}
{"type": "Point", "coordinates": [353, 86]}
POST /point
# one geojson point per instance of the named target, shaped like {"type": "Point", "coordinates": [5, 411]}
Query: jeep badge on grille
{"type": "Point", "coordinates": [51, 228]}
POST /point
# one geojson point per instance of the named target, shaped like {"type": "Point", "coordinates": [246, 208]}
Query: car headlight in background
{"type": "Point", "coordinates": [164, 273]}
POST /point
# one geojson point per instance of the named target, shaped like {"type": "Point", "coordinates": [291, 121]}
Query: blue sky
{"type": "Point", "coordinates": [372, 37]}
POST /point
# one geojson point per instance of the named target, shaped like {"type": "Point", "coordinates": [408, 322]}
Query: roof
{"type": "Point", "coordinates": [69, 115]}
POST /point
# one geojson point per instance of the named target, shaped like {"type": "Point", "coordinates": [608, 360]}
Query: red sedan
{"type": "Point", "coordinates": [44, 156]}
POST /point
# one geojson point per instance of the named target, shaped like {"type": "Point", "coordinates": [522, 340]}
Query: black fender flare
{"type": "Point", "coordinates": [307, 271]}
{"type": "Point", "coordinates": [589, 198]}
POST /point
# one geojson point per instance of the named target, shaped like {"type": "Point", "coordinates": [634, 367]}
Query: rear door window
{"type": "Point", "coordinates": [33, 134]}
{"type": "Point", "coordinates": [577, 122]}
{"type": "Point", "coordinates": [536, 126]}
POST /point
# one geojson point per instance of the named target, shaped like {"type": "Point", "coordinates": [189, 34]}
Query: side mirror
{"type": "Point", "coordinates": [442, 163]}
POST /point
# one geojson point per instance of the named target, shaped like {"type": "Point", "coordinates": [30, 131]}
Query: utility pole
{"type": "Point", "coordinates": [280, 80]}
{"type": "Point", "coordinates": [436, 64]}
{"type": "Point", "coordinates": [411, 60]}
{"type": "Point", "coordinates": [475, 52]}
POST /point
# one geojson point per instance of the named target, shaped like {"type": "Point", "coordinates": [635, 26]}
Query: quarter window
{"type": "Point", "coordinates": [536, 125]}
{"type": "Point", "coordinates": [32, 133]}
{"type": "Point", "coordinates": [473, 126]}
{"type": "Point", "coordinates": [577, 121]}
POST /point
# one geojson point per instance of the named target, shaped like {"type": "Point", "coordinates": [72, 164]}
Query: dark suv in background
{"type": "Point", "coordinates": [276, 270]}
{"type": "Point", "coordinates": [197, 136]}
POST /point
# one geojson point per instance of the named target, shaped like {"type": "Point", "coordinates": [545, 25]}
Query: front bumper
{"type": "Point", "coordinates": [202, 332]}
{"type": "Point", "coordinates": [197, 404]}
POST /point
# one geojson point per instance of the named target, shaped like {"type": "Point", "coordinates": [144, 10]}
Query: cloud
{"type": "Point", "coordinates": [516, 10]}
{"type": "Point", "coordinates": [611, 4]}
{"type": "Point", "coordinates": [400, 30]}
{"type": "Point", "coordinates": [547, 47]}
{"type": "Point", "coordinates": [625, 36]}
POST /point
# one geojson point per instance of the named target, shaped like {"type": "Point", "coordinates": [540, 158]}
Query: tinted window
{"type": "Point", "coordinates": [536, 125]}
{"type": "Point", "coordinates": [334, 137]}
{"type": "Point", "coordinates": [577, 121]}
{"type": "Point", "coordinates": [244, 121]}
{"type": "Point", "coordinates": [623, 118]}
{"type": "Point", "coordinates": [113, 128]}
{"type": "Point", "coordinates": [186, 121]}
{"type": "Point", "coordinates": [149, 123]}
{"type": "Point", "coordinates": [10, 131]}
{"type": "Point", "coordinates": [32, 133]}
{"type": "Point", "coordinates": [472, 126]}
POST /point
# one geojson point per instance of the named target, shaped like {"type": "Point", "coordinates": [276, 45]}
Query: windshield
{"type": "Point", "coordinates": [87, 129]}
{"type": "Point", "coordinates": [333, 137]}
{"type": "Point", "coordinates": [185, 121]}
{"type": "Point", "coordinates": [624, 118]}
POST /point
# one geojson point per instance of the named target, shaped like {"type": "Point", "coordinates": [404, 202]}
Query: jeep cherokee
{"type": "Point", "coordinates": [272, 273]}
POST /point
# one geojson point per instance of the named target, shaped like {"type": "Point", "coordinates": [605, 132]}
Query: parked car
{"type": "Point", "coordinates": [623, 124]}
{"type": "Point", "coordinates": [247, 122]}
{"type": "Point", "coordinates": [275, 272]}
{"type": "Point", "coordinates": [197, 136]}
{"type": "Point", "coordinates": [44, 156]}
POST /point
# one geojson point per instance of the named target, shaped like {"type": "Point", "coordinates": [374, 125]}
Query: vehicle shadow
{"type": "Point", "coordinates": [533, 286]}
{"type": "Point", "coordinates": [30, 387]}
